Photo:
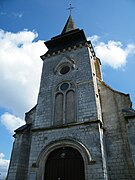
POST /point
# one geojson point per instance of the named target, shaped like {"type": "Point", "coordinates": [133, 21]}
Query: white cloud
{"type": "Point", "coordinates": [17, 15]}
{"type": "Point", "coordinates": [20, 70]}
{"type": "Point", "coordinates": [94, 39]}
{"type": "Point", "coordinates": [11, 122]}
{"type": "Point", "coordinates": [112, 53]}
{"type": "Point", "coordinates": [4, 163]}
{"type": "Point", "coordinates": [13, 14]}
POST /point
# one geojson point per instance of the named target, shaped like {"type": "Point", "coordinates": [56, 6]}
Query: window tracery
{"type": "Point", "coordinates": [64, 106]}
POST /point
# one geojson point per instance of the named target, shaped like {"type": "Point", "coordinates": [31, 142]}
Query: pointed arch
{"type": "Point", "coordinates": [64, 104]}
{"type": "Point", "coordinates": [66, 61]}
{"type": "Point", "coordinates": [70, 106]}
{"type": "Point", "coordinates": [58, 117]}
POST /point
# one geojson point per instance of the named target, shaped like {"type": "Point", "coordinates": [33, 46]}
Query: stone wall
{"type": "Point", "coordinates": [131, 135]}
{"type": "Point", "coordinates": [86, 134]}
{"type": "Point", "coordinates": [81, 76]}
{"type": "Point", "coordinates": [18, 168]}
{"type": "Point", "coordinates": [119, 158]}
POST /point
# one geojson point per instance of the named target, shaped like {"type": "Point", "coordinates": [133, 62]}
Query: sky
{"type": "Point", "coordinates": [26, 24]}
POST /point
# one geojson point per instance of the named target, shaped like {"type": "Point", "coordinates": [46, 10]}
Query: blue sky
{"type": "Point", "coordinates": [25, 25]}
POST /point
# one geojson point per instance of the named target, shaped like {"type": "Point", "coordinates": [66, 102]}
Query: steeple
{"type": "Point", "coordinates": [69, 26]}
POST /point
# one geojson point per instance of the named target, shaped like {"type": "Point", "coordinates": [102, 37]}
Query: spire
{"type": "Point", "coordinates": [69, 26]}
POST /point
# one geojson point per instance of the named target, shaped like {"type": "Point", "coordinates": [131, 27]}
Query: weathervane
{"type": "Point", "coordinates": [70, 8]}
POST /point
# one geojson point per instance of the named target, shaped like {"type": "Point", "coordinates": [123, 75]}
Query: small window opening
{"type": "Point", "coordinates": [64, 86]}
{"type": "Point", "coordinates": [65, 70]}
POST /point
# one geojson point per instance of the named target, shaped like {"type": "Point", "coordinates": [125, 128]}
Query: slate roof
{"type": "Point", "coordinates": [69, 26]}
{"type": "Point", "coordinates": [22, 128]}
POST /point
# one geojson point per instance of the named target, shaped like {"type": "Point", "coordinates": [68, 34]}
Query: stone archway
{"type": "Point", "coordinates": [63, 143]}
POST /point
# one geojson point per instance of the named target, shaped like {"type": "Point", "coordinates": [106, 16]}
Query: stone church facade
{"type": "Point", "coordinates": [80, 129]}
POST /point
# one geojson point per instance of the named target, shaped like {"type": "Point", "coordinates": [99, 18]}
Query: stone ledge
{"type": "Point", "coordinates": [66, 125]}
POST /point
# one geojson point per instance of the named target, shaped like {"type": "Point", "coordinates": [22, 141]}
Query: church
{"type": "Point", "coordinates": [80, 128]}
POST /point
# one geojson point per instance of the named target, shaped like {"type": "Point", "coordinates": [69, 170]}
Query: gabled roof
{"type": "Point", "coordinates": [69, 26]}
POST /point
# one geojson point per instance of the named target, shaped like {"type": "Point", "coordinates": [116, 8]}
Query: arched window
{"type": "Point", "coordinates": [64, 106]}
{"type": "Point", "coordinates": [70, 106]}
{"type": "Point", "coordinates": [58, 109]}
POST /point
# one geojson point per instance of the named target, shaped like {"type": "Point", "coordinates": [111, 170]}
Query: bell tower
{"type": "Point", "coordinates": [68, 114]}
{"type": "Point", "coordinates": [68, 91]}
{"type": "Point", "coordinates": [63, 131]}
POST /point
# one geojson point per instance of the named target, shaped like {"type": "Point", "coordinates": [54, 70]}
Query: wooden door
{"type": "Point", "coordinates": [64, 164]}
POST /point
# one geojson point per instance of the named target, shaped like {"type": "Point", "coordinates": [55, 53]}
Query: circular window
{"type": "Point", "coordinates": [65, 70]}
{"type": "Point", "coordinates": [64, 86]}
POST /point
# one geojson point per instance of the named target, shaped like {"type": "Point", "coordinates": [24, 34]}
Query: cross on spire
{"type": "Point", "coordinates": [70, 8]}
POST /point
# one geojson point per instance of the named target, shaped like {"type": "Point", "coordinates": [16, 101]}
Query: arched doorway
{"type": "Point", "coordinates": [64, 164]}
